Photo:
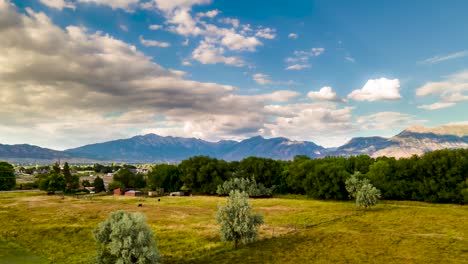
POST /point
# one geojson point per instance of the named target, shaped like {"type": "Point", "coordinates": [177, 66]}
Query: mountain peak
{"type": "Point", "coordinates": [456, 129]}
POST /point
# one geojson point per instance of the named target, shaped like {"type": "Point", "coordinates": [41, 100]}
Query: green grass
{"type": "Point", "coordinates": [296, 230]}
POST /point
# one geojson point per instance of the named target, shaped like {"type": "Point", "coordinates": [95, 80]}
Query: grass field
{"type": "Point", "coordinates": [298, 230]}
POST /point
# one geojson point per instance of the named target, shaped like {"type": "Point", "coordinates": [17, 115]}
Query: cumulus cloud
{"type": "Point", "coordinates": [261, 78]}
{"type": "Point", "coordinates": [58, 4]}
{"type": "Point", "coordinates": [209, 53]}
{"type": "Point", "coordinates": [325, 94]}
{"type": "Point", "coordinates": [452, 89]}
{"type": "Point", "coordinates": [293, 36]}
{"type": "Point", "coordinates": [153, 43]}
{"type": "Point", "coordinates": [266, 33]}
{"type": "Point", "coordinates": [311, 121]}
{"type": "Point", "coordinates": [377, 89]}
{"type": "Point", "coordinates": [215, 40]}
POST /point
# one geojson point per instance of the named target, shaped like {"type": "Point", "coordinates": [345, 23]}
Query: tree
{"type": "Point", "coordinates": [362, 190]}
{"type": "Point", "coordinates": [86, 183]}
{"type": "Point", "coordinates": [237, 221]}
{"type": "Point", "coordinates": [98, 184]}
{"type": "Point", "coordinates": [52, 183]}
{"type": "Point", "coordinates": [125, 238]}
{"type": "Point", "coordinates": [71, 181]}
{"type": "Point", "coordinates": [354, 184]}
{"type": "Point", "coordinates": [128, 179]}
{"type": "Point", "coordinates": [367, 196]}
{"type": "Point", "coordinates": [7, 176]}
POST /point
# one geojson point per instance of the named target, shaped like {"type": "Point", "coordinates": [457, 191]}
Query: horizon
{"type": "Point", "coordinates": [78, 72]}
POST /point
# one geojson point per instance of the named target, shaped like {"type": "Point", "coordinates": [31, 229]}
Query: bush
{"type": "Point", "coordinates": [7, 176]}
{"type": "Point", "coordinates": [236, 219]}
{"type": "Point", "coordinates": [362, 190]}
{"type": "Point", "coordinates": [367, 196]}
{"type": "Point", "coordinates": [249, 186]}
{"type": "Point", "coordinates": [125, 238]}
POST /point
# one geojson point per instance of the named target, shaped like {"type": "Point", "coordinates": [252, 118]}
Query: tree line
{"type": "Point", "coordinates": [439, 176]}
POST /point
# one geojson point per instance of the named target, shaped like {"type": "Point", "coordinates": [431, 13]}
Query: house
{"type": "Point", "coordinates": [118, 192]}
{"type": "Point", "coordinates": [133, 193]}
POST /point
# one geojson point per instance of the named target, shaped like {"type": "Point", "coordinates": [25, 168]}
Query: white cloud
{"type": "Point", "coordinates": [452, 89]}
{"type": "Point", "coordinates": [442, 58]}
{"type": "Point", "coordinates": [298, 66]}
{"type": "Point", "coordinates": [208, 53]}
{"type": "Point", "coordinates": [350, 59]}
{"type": "Point", "coordinates": [261, 78]}
{"type": "Point", "coordinates": [215, 40]}
{"type": "Point", "coordinates": [153, 43]}
{"type": "Point", "coordinates": [325, 94]}
{"type": "Point", "coordinates": [322, 123]}
{"type": "Point", "coordinates": [301, 58]}
{"type": "Point", "coordinates": [293, 36]}
{"type": "Point", "coordinates": [124, 28]}
{"type": "Point", "coordinates": [266, 33]}
{"type": "Point", "coordinates": [233, 21]}
{"type": "Point", "coordinates": [127, 5]}
{"type": "Point", "coordinates": [186, 62]}
{"type": "Point", "coordinates": [58, 4]}
{"type": "Point", "coordinates": [438, 105]}
{"type": "Point", "coordinates": [210, 14]}
{"type": "Point", "coordinates": [155, 27]}
{"type": "Point", "coordinates": [377, 89]}
{"type": "Point", "coordinates": [387, 121]}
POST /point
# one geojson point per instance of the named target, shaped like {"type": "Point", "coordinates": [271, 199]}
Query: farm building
{"type": "Point", "coordinates": [133, 193]}
{"type": "Point", "coordinates": [118, 192]}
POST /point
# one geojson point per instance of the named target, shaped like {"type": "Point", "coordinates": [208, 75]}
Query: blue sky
{"type": "Point", "coordinates": [323, 71]}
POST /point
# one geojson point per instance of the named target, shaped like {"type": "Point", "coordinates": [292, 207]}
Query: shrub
{"type": "Point", "coordinates": [237, 221]}
{"type": "Point", "coordinates": [367, 196]}
{"type": "Point", "coordinates": [249, 186]}
{"type": "Point", "coordinates": [125, 238]}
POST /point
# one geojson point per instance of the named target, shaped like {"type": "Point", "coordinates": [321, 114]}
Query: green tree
{"type": "Point", "coordinates": [52, 183]}
{"type": "Point", "coordinates": [71, 181]}
{"type": "Point", "coordinates": [367, 196]}
{"type": "Point", "coordinates": [125, 238]}
{"type": "Point", "coordinates": [354, 183]}
{"type": "Point", "coordinates": [237, 221]}
{"type": "Point", "coordinates": [98, 184]}
{"type": "Point", "coordinates": [7, 176]}
{"type": "Point", "coordinates": [128, 179]}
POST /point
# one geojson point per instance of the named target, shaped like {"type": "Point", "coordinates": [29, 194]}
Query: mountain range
{"type": "Point", "coordinates": [152, 148]}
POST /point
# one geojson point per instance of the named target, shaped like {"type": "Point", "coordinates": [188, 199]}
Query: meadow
{"type": "Point", "coordinates": [50, 229]}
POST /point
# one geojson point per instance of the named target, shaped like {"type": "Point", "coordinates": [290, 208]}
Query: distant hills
{"type": "Point", "coordinates": [152, 148]}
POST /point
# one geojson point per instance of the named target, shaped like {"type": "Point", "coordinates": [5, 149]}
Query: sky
{"type": "Point", "coordinates": [75, 72]}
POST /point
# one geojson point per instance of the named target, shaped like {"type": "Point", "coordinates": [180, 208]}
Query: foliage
{"type": "Point", "coordinates": [128, 179]}
{"type": "Point", "coordinates": [354, 183]}
{"type": "Point", "coordinates": [125, 238]}
{"type": "Point", "coordinates": [367, 195]}
{"type": "Point", "coordinates": [72, 182]}
{"type": "Point", "coordinates": [164, 176]}
{"type": "Point", "coordinates": [236, 219]}
{"type": "Point", "coordinates": [86, 183]}
{"type": "Point", "coordinates": [52, 183]}
{"type": "Point", "coordinates": [7, 176]}
{"type": "Point", "coordinates": [247, 185]}
{"type": "Point", "coordinates": [98, 185]}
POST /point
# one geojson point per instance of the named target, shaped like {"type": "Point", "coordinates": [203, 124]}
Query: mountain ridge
{"type": "Point", "coordinates": [153, 148]}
